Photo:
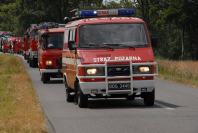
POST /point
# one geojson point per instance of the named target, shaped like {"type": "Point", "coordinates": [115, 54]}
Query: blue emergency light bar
{"type": "Point", "coordinates": [106, 13]}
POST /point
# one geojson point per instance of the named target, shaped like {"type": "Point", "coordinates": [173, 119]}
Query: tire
{"type": "Point", "coordinates": [69, 98]}
{"type": "Point", "coordinates": [81, 99]}
{"type": "Point", "coordinates": [31, 63]}
{"type": "Point", "coordinates": [149, 98]}
{"type": "Point", "coordinates": [34, 63]}
{"type": "Point", "coordinates": [130, 98]}
{"type": "Point", "coordinates": [24, 56]}
{"type": "Point", "coordinates": [28, 60]}
{"type": "Point", "coordinates": [45, 78]}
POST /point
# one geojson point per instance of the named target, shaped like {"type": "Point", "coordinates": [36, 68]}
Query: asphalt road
{"type": "Point", "coordinates": [175, 110]}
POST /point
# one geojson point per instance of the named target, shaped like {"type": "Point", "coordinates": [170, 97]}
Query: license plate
{"type": "Point", "coordinates": [119, 86]}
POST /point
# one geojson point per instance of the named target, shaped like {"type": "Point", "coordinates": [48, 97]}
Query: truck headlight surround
{"type": "Point", "coordinates": [48, 62]}
{"type": "Point", "coordinates": [144, 69]}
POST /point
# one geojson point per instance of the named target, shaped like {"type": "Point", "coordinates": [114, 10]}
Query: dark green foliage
{"type": "Point", "coordinates": [17, 15]}
{"type": "Point", "coordinates": [174, 22]}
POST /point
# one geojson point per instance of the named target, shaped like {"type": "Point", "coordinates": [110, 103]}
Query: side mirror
{"type": "Point", "coordinates": [154, 42]}
{"type": "Point", "coordinates": [72, 45]}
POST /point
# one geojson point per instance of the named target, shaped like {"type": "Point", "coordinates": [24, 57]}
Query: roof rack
{"type": "Point", "coordinates": [48, 25]}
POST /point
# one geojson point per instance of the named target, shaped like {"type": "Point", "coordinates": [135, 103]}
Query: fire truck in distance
{"type": "Point", "coordinates": [31, 41]}
{"type": "Point", "coordinates": [15, 45]}
{"type": "Point", "coordinates": [26, 47]}
{"type": "Point", "coordinates": [33, 47]}
{"type": "Point", "coordinates": [107, 54]}
{"type": "Point", "coordinates": [50, 53]}
{"type": "Point", "coordinates": [4, 44]}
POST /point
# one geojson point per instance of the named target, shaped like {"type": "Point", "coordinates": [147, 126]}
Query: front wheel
{"type": "Point", "coordinates": [45, 78]}
{"type": "Point", "coordinates": [69, 97]}
{"type": "Point", "coordinates": [31, 63]}
{"type": "Point", "coordinates": [149, 98]}
{"type": "Point", "coordinates": [81, 99]}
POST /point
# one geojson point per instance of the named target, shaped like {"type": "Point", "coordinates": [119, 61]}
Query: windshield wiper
{"type": "Point", "coordinates": [111, 45]}
{"type": "Point", "coordinates": [94, 45]}
{"type": "Point", "coordinates": [89, 45]}
{"type": "Point", "coordinates": [133, 46]}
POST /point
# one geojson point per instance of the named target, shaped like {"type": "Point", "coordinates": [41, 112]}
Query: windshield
{"type": "Point", "coordinates": [114, 35]}
{"type": "Point", "coordinates": [55, 41]}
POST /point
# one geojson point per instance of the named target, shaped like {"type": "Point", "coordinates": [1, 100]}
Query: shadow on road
{"type": "Point", "coordinates": [117, 103]}
{"type": "Point", "coordinates": [53, 81]}
{"type": "Point", "coordinates": [123, 103]}
{"type": "Point", "coordinates": [167, 104]}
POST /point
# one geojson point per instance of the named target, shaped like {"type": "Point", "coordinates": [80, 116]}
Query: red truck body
{"type": "Point", "coordinates": [50, 53]}
{"type": "Point", "coordinates": [108, 57]}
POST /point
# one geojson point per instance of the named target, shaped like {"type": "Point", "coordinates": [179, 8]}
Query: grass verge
{"type": "Point", "coordinates": [180, 71]}
{"type": "Point", "coordinates": [20, 111]}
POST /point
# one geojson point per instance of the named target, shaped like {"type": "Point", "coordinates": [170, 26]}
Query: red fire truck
{"type": "Point", "coordinates": [5, 47]}
{"type": "Point", "coordinates": [33, 48]}
{"type": "Point", "coordinates": [26, 47]}
{"type": "Point", "coordinates": [15, 45]}
{"type": "Point", "coordinates": [50, 53]}
{"type": "Point", "coordinates": [5, 44]}
{"type": "Point", "coordinates": [18, 45]}
{"type": "Point", "coordinates": [107, 54]}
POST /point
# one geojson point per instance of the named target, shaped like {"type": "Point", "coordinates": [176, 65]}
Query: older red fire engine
{"type": "Point", "coordinates": [32, 51]}
{"type": "Point", "coordinates": [26, 46]}
{"type": "Point", "coordinates": [50, 53]}
{"type": "Point", "coordinates": [108, 53]}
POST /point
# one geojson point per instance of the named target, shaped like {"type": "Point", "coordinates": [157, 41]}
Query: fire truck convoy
{"type": "Point", "coordinates": [107, 54]}
{"type": "Point", "coordinates": [31, 41]}
{"type": "Point", "coordinates": [50, 53]}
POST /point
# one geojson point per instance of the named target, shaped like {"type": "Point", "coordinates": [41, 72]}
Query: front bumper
{"type": "Point", "coordinates": [102, 87]}
{"type": "Point", "coordinates": [50, 71]}
{"type": "Point", "coordinates": [134, 83]}
{"type": "Point", "coordinates": [33, 54]}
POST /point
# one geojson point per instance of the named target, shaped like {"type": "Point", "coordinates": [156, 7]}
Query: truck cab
{"type": "Point", "coordinates": [108, 54]}
{"type": "Point", "coordinates": [50, 53]}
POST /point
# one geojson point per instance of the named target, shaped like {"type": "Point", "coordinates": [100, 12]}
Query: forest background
{"type": "Point", "coordinates": [173, 22]}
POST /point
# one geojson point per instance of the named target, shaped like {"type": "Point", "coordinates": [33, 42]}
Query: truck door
{"type": "Point", "coordinates": [70, 57]}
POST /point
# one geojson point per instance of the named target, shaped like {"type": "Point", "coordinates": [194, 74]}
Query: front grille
{"type": "Point", "coordinates": [118, 70]}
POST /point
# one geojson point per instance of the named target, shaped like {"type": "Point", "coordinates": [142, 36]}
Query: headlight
{"type": "Point", "coordinates": [48, 62]}
{"type": "Point", "coordinates": [91, 71]}
{"type": "Point", "coordinates": [144, 69]}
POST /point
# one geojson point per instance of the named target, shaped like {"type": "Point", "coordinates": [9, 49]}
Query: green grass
{"type": "Point", "coordinates": [181, 71]}
{"type": "Point", "coordinates": [20, 111]}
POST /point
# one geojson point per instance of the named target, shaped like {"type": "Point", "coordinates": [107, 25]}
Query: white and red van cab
{"type": "Point", "coordinates": [105, 55]}
{"type": "Point", "coordinates": [50, 53]}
